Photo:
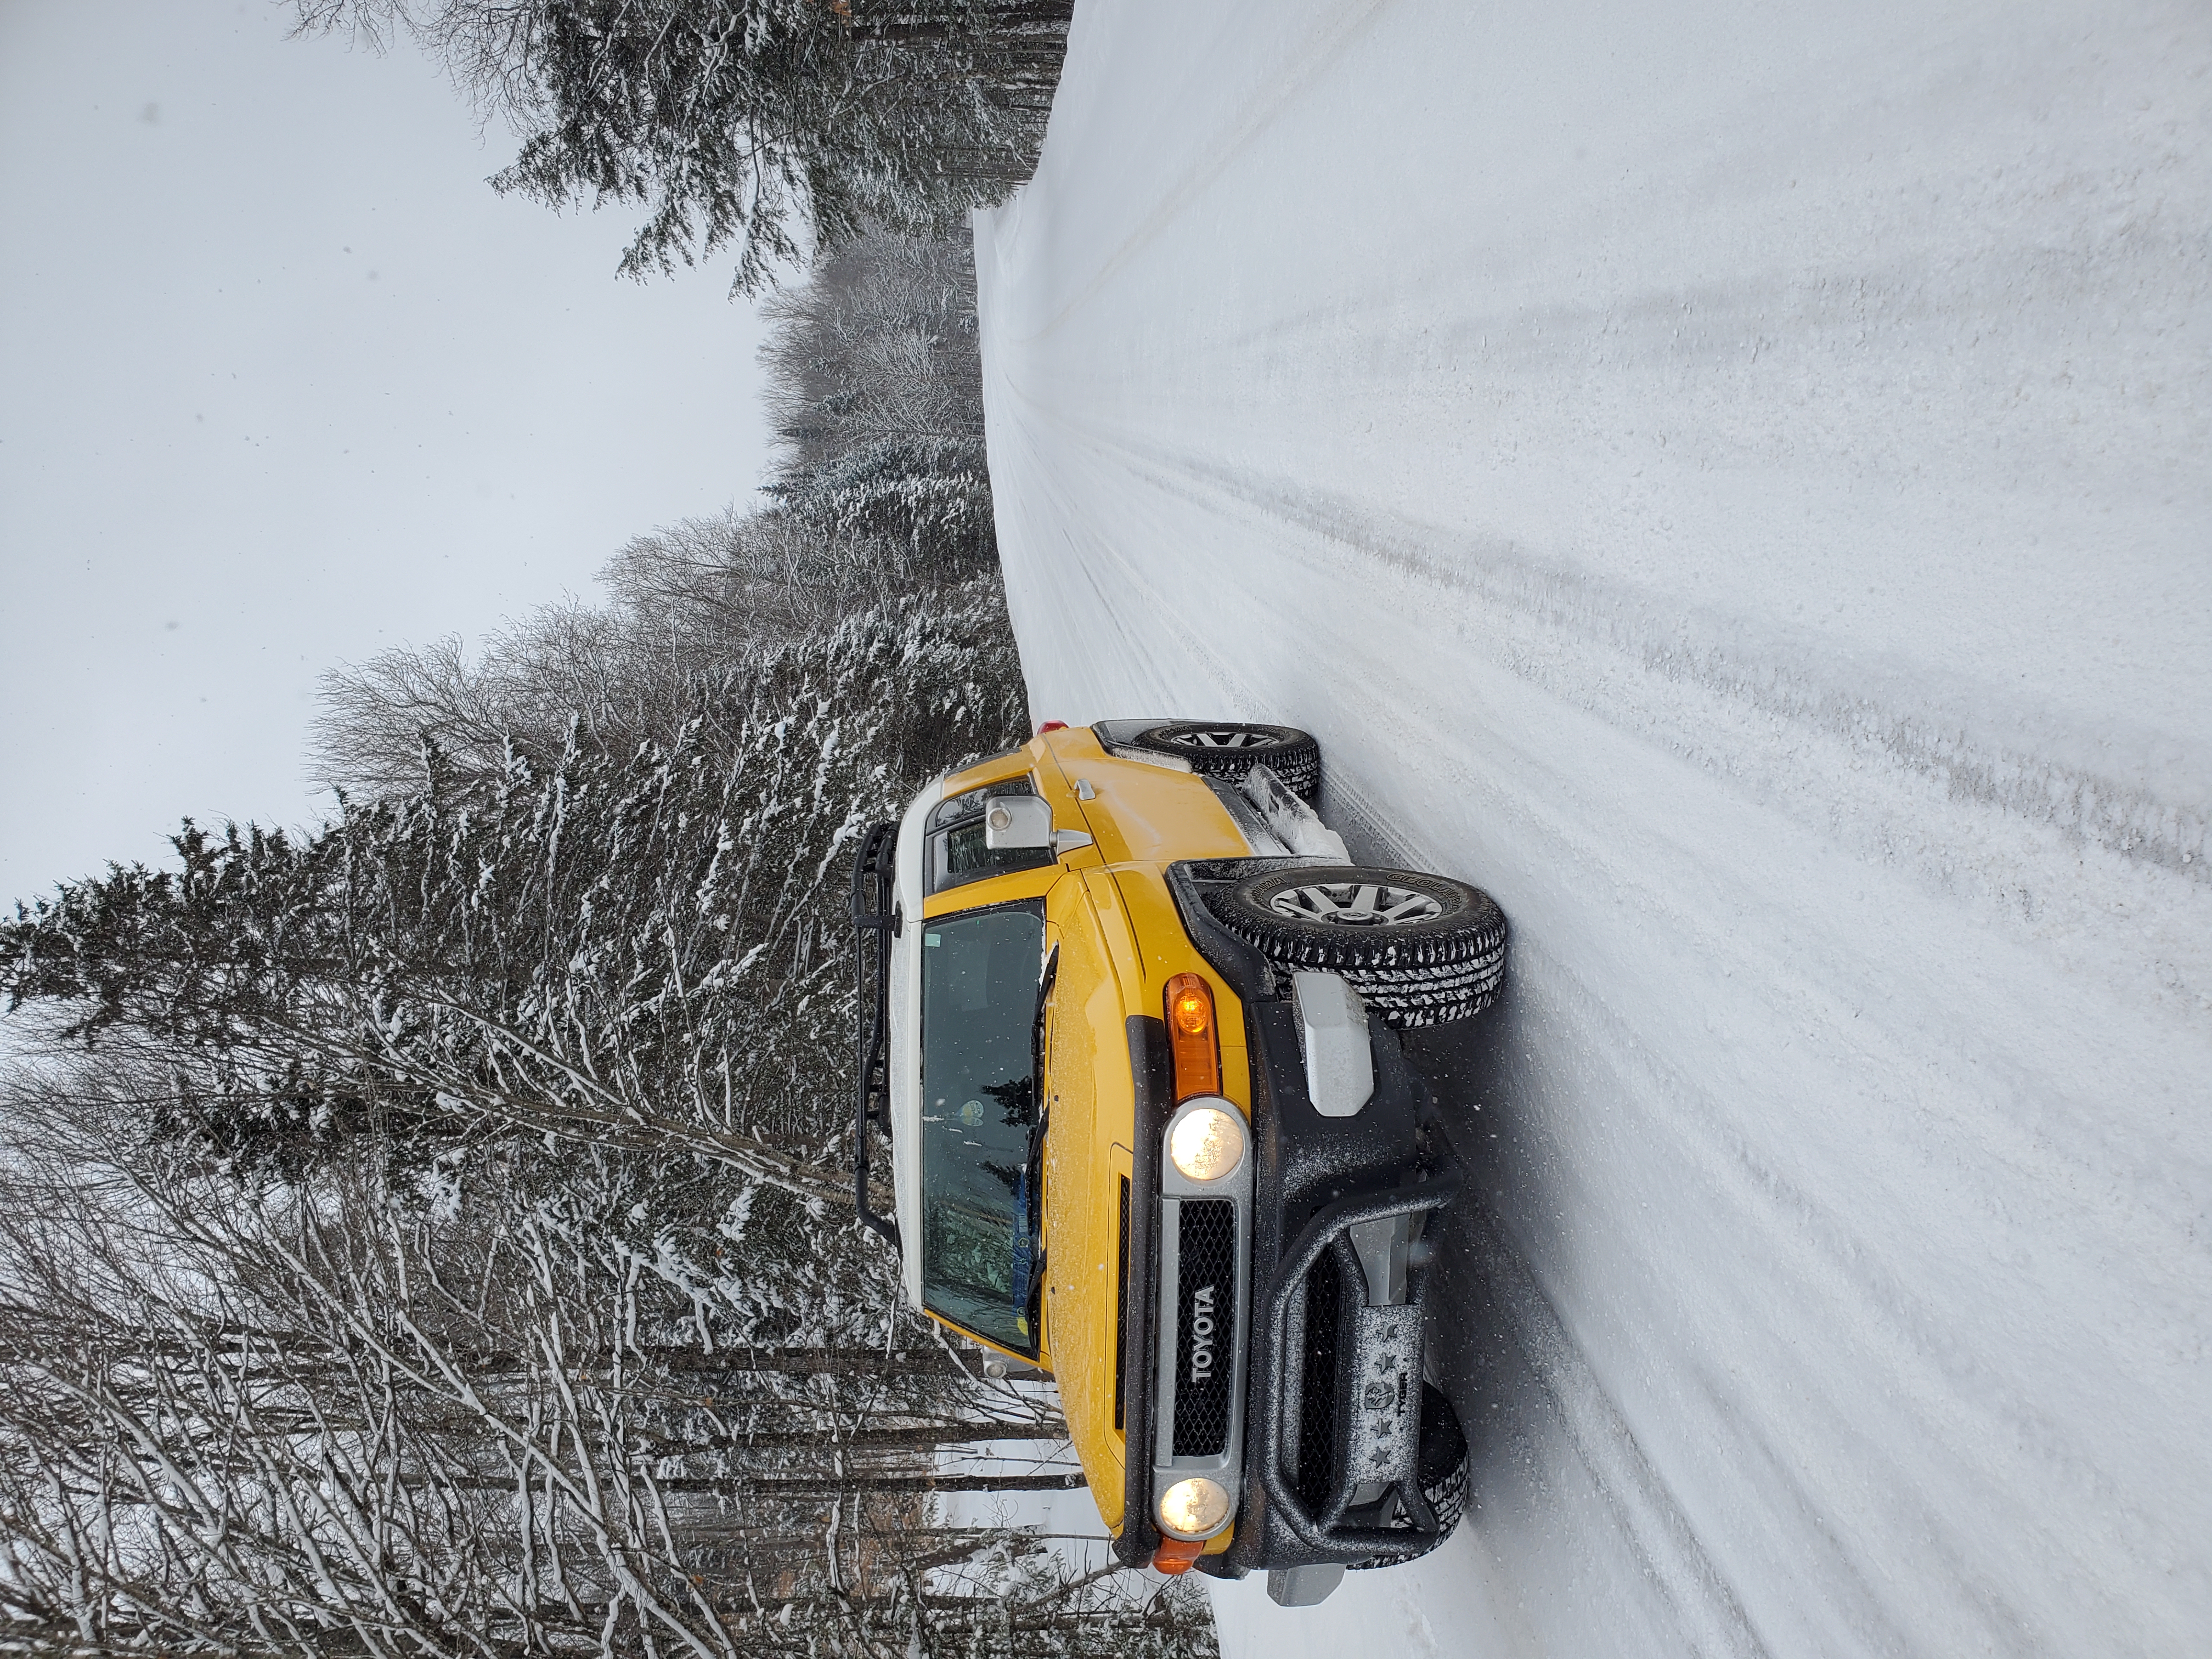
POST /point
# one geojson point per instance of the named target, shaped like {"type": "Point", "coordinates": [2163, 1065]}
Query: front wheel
{"type": "Point", "coordinates": [1444, 1476]}
{"type": "Point", "coordinates": [1420, 949]}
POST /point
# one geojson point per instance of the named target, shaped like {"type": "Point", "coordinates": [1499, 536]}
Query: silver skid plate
{"type": "Point", "coordinates": [1385, 1396]}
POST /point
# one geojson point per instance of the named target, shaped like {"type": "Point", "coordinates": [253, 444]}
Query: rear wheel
{"type": "Point", "coordinates": [1224, 749]}
{"type": "Point", "coordinates": [1420, 949]}
{"type": "Point", "coordinates": [1443, 1475]}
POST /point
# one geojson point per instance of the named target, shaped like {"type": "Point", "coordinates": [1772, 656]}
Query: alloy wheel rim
{"type": "Point", "coordinates": [1356, 904]}
{"type": "Point", "coordinates": [1220, 736]}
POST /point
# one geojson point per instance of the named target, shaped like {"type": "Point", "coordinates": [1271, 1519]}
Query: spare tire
{"type": "Point", "coordinates": [1227, 749]}
{"type": "Point", "coordinates": [1420, 949]}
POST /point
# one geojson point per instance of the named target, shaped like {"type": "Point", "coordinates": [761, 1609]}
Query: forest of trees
{"type": "Point", "coordinates": [429, 1234]}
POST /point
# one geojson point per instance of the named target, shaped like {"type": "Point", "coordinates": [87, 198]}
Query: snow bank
{"type": "Point", "coordinates": [1737, 486]}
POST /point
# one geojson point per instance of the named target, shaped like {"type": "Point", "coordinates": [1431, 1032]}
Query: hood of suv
{"type": "Point", "coordinates": [1089, 1093]}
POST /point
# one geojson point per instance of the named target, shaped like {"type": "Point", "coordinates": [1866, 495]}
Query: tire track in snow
{"type": "Point", "coordinates": [1779, 718]}
{"type": "Point", "coordinates": [1301, 50]}
{"type": "Point", "coordinates": [1690, 1598]}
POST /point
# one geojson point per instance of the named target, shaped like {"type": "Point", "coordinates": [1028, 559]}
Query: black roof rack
{"type": "Point", "coordinates": [876, 923]}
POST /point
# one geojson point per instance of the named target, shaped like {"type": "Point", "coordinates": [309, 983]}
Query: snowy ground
{"type": "Point", "coordinates": [1737, 486]}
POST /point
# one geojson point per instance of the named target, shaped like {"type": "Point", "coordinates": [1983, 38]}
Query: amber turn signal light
{"type": "Point", "coordinates": [1178, 1554]}
{"type": "Point", "coordinates": [1192, 1038]}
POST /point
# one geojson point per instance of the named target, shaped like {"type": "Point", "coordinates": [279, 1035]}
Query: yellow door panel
{"type": "Point", "coordinates": [993, 889]}
{"type": "Point", "coordinates": [1118, 939]}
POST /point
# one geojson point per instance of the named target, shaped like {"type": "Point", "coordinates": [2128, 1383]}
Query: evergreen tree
{"type": "Point", "coordinates": [642, 950]}
{"type": "Point", "coordinates": [771, 127]}
{"type": "Point", "coordinates": [878, 346]}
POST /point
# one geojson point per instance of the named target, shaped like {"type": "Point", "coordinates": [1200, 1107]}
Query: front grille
{"type": "Point", "coordinates": [1205, 1325]}
{"type": "Point", "coordinates": [1121, 1320]}
{"type": "Point", "coordinates": [1317, 1381]}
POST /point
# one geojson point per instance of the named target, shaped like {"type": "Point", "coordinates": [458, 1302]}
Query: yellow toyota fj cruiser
{"type": "Point", "coordinates": [1128, 1016]}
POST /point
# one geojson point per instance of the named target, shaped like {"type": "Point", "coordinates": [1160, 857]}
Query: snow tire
{"type": "Point", "coordinates": [1443, 1475]}
{"type": "Point", "coordinates": [1420, 949]}
{"type": "Point", "coordinates": [1227, 749]}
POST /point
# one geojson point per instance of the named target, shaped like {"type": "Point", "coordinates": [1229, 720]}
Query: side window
{"type": "Point", "coordinates": [980, 1138]}
{"type": "Point", "coordinates": [954, 853]}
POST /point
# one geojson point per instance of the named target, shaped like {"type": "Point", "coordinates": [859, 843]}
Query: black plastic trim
{"type": "Point", "coordinates": [1121, 1320]}
{"type": "Point", "coordinates": [1151, 1072]}
{"type": "Point", "coordinates": [876, 923]}
{"type": "Point", "coordinates": [1206, 1255]}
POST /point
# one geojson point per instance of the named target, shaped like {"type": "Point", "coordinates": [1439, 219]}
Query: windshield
{"type": "Point", "coordinates": [979, 1121]}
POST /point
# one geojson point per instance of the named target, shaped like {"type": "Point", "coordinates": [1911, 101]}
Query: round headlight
{"type": "Point", "coordinates": [1207, 1144]}
{"type": "Point", "coordinates": [1194, 1507]}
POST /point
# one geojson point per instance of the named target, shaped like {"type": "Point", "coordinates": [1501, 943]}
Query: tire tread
{"type": "Point", "coordinates": [1292, 756]}
{"type": "Point", "coordinates": [1425, 974]}
{"type": "Point", "coordinates": [1444, 1476]}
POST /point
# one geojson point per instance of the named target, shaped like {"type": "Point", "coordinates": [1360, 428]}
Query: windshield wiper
{"type": "Point", "coordinates": [1029, 1195]}
{"type": "Point", "coordinates": [1029, 1202]}
{"type": "Point", "coordinates": [1048, 976]}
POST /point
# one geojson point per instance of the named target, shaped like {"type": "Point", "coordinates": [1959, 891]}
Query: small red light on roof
{"type": "Point", "coordinates": [1051, 726]}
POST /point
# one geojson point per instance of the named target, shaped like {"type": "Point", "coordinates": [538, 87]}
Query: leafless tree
{"type": "Point", "coordinates": [880, 495]}
{"type": "Point", "coordinates": [878, 345]}
{"type": "Point", "coordinates": [328, 1418]}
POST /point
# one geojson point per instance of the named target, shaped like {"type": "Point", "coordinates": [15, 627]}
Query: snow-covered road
{"type": "Point", "coordinates": [1739, 487]}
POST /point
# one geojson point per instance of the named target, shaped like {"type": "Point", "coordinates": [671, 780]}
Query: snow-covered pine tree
{"type": "Point", "coordinates": [773, 128]}
{"type": "Point", "coordinates": [642, 950]}
{"type": "Point", "coordinates": [875, 387]}
{"type": "Point", "coordinates": [878, 345]}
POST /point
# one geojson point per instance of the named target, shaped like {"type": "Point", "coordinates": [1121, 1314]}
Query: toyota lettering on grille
{"type": "Point", "coordinates": [1201, 1334]}
{"type": "Point", "coordinates": [1206, 1320]}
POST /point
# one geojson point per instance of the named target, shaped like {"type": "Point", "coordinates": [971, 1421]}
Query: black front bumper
{"type": "Point", "coordinates": [1333, 1390]}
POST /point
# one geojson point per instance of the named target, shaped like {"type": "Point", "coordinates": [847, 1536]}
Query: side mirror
{"type": "Point", "coordinates": [1017, 823]}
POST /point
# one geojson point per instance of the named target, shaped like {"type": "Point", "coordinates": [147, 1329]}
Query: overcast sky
{"type": "Point", "coordinates": [282, 383]}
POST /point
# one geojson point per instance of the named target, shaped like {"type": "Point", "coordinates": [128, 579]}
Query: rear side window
{"type": "Point", "coordinates": [954, 853]}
